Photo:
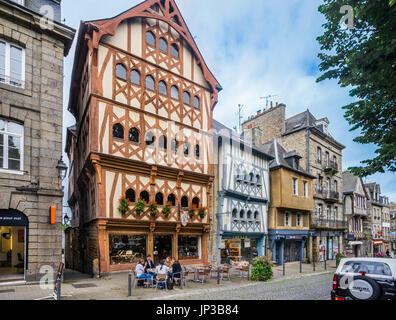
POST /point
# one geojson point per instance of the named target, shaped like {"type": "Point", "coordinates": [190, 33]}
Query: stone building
{"type": "Point", "coordinates": [32, 49]}
{"type": "Point", "coordinates": [393, 225]}
{"type": "Point", "coordinates": [143, 97]}
{"type": "Point", "coordinates": [290, 206]}
{"type": "Point", "coordinates": [356, 214]}
{"type": "Point", "coordinates": [242, 190]}
{"type": "Point", "coordinates": [321, 157]}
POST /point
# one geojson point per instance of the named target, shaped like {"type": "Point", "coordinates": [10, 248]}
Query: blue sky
{"type": "Point", "coordinates": [254, 48]}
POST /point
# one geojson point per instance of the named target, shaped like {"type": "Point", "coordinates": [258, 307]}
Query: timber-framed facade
{"type": "Point", "coordinates": [143, 100]}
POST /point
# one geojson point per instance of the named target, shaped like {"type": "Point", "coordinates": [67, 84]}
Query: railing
{"type": "Point", "coordinates": [331, 165]}
{"type": "Point", "coordinates": [332, 195]}
{"type": "Point", "coordinates": [11, 81]}
{"type": "Point", "coordinates": [325, 223]}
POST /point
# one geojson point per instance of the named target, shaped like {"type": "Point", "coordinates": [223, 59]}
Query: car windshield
{"type": "Point", "coordinates": [369, 267]}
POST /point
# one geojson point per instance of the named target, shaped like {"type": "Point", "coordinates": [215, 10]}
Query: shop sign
{"type": "Point", "coordinates": [184, 219]}
{"type": "Point", "coordinates": [393, 233]}
{"type": "Point", "coordinates": [377, 242]}
{"type": "Point", "coordinates": [247, 244]}
{"type": "Point", "coordinates": [293, 237]}
{"type": "Point", "coordinates": [351, 237]}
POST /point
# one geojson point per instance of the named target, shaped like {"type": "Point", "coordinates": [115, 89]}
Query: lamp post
{"type": "Point", "coordinates": [62, 169]}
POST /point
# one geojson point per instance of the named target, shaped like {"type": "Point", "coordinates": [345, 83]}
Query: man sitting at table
{"type": "Point", "coordinates": [140, 272]}
{"type": "Point", "coordinates": [149, 264]}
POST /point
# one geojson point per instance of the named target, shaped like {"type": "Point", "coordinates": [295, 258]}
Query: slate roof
{"type": "Point", "coordinates": [349, 182]}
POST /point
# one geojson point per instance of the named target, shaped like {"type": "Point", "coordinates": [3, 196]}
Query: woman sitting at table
{"type": "Point", "coordinates": [140, 272]}
{"type": "Point", "coordinates": [168, 262]}
{"type": "Point", "coordinates": [149, 265]}
{"type": "Point", "coordinates": [176, 269]}
{"type": "Point", "coordinates": [161, 270]}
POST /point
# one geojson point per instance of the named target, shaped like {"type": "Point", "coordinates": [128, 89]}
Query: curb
{"type": "Point", "coordinates": [234, 287]}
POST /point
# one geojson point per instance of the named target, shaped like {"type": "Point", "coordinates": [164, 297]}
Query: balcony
{"type": "Point", "coordinates": [331, 166]}
{"type": "Point", "coordinates": [319, 192]}
{"type": "Point", "coordinates": [332, 196]}
{"type": "Point", "coordinates": [328, 224]}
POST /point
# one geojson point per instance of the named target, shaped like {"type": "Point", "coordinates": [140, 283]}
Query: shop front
{"type": "Point", "coordinates": [14, 227]}
{"type": "Point", "coordinates": [242, 247]}
{"type": "Point", "coordinates": [329, 244]}
{"type": "Point", "coordinates": [287, 245]}
{"type": "Point", "coordinates": [377, 246]}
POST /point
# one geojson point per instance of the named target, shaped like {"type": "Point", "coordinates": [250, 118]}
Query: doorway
{"type": "Point", "coordinates": [162, 247]}
{"type": "Point", "coordinates": [12, 253]}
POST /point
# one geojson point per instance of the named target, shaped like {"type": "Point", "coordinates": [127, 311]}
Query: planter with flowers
{"type": "Point", "coordinates": [381, 255]}
{"type": "Point", "coordinates": [123, 206]}
{"type": "Point", "coordinates": [339, 257]}
{"type": "Point", "coordinates": [202, 212]}
{"type": "Point", "coordinates": [166, 211]}
{"type": "Point", "coordinates": [140, 206]}
{"type": "Point", "coordinates": [153, 209]}
{"type": "Point", "coordinates": [261, 269]}
{"type": "Point", "coordinates": [192, 211]}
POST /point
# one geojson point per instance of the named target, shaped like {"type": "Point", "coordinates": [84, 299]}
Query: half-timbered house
{"type": "Point", "coordinates": [143, 98]}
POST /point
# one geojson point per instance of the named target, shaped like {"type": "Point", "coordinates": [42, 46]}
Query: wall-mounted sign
{"type": "Point", "coordinates": [184, 219]}
{"type": "Point", "coordinates": [247, 244]}
{"type": "Point", "coordinates": [13, 218]}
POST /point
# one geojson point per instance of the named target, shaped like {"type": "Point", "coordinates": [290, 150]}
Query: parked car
{"type": "Point", "coordinates": [365, 279]}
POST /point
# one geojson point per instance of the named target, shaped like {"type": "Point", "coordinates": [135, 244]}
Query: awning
{"type": "Point", "coordinates": [355, 243]}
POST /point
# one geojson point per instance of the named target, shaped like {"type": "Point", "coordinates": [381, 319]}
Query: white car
{"type": "Point", "coordinates": [365, 279]}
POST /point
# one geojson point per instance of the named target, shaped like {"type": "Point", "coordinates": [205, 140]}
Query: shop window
{"type": "Point", "coordinates": [150, 83]}
{"type": "Point", "coordinates": [188, 247]}
{"type": "Point", "coordinates": [135, 77]}
{"type": "Point", "coordinates": [118, 131]}
{"type": "Point", "coordinates": [195, 202]}
{"type": "Point", "coordinates": [172, 200]}
{"type": "Point", "coordinates": [159, 199]}
{"type": "Point", "coordinates": [186, 98]}
{"type": "Point", "coordinates": [184, 202]}
{"type": "Point", "coordinates": [175, 51]}
{"type": "Point", "coordinates": [121, 72]}
{"type": "Point", "coordinates": [163, 143]}
{"type": "Point", "coordinates": [145, 196]}
{"type": "Point", "coordinates": [11, 145]}
{"type": "Point", "coordinates": [150, 139]}
{"type": "Point", "coordinates": [163, 45]}
{"type": "Point", "coordinates": [150, 38]}
{"type": "Point", "coordinates": [196, 102]}
{"type": "Point", "coordinates": [175, 92]}
{"type": "Point", "coordinates": [130, 195]}
{"type": "Point", "coordinates": [162, 88]}
{"type": "Point", "coordinates": [126, 249]}
{"type": "Point", "coordinates": [134, 135]}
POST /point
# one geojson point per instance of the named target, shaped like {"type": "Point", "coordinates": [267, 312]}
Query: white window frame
{"type": "Point", "coordinates": [306, 189]}
{"type": "Point", "coordinates": [287, 219]}
{"type": "Point", "coordinates": [6, 134]}
{"type": "Point", "coordinates": [7, 74]}
{"type": "Point", "coordinates": [299, 220]}
{"type": "Point", "coordinates": [295, 186]}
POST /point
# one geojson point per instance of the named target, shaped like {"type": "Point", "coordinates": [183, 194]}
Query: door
{"type": "Point", "coordinates": [12, 253]}
{"type": "Point", "coordinates": [163, 247]}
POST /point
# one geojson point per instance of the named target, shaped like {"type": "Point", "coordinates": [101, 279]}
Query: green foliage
{"type": "Point", "coordinates": [166, 211]}
{"type": "Point", "coordinates": [140, 206]}
{"type": "Point", "coordinates": [261, 269]}
{"type": "Point", "coordinates": [123, 205]}
{"type": "Point", "coordinates": [202, 212]}
{"type": "Point", "coordinates": [153, 209]}
{"type": "Point", "coordinates": [364, 58]}
{"type": "Point", "coordinates": [339, 257]}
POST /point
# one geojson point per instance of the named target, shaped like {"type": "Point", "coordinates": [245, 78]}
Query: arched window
{"type": "Point", "coordinates": [186, 149]}
{"type": "Point", "coordinates": [256, 215]}
{"type": "Point", "coordinates": [150, 38]}
{"type": "Point", "coordinates": [150, 139]}
{"type": "Point", "coordinates": [235, 214]}
{"type": "Point", "coordinates": [175, 92]}
{"type": "Point", "coordinates": [242, 214]}
{"type": "Point", "coordinates": [163, 45]}
{"type": "Point", "coordinates": [130, 195]}
{"type": "Point", "coordinates": [258, 178]}
{"type": "Point", "coordinates": [195, 202]}
{"type": "Point", "coordinates": [134, 135]}
{"type": "Point", "coordinates": [249, 215]}
{"type": "Point", "coordinates": [197, 151]}
{"type": "Point", "coordinates": [145, 196]}
{"type": "Point", "coordinates": [163, 143]}
{"type": "Point", "coordinates": [172, 200]}
{"type": "Point", "coordinates": [251, 177]}
{"type": "Point", "coordinates": [118, 131]}
{"type": "Point", "coordinates": [162, 88]}
{"type": "Point", "coordinates": [175, 146]}
{"type": "Point", "coordinates": [175, 51]}
{"type": "Point", "coordinates": [159, 198]}
{"type": "Point", "coordinates": [197, 103]}
{"type": "Point", "coordinates": [150, 83]}
{"type": "Point", "coordinates": [121, 72]}
{"type": "Point", "coordinates": [186, 98]}
{"type": "Point", "coordinates": [184, 202]}
{"type": "Point", "coordinates": [135, 77]}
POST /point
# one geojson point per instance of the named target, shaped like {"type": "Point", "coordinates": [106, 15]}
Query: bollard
{"type": "Point", "coordinates": [313, 263]}
{"type": "Point", "coordinates": [325, 264]}
{"type": "Point", "coordinates": [284, 268]}
{"type": "Point", "coordinates": [58, 293]}
{"type": "Point", "coordinates": [248, 272]}
{"type": "Point", "coordinates": [218, 275]}
{"type": "Point", "coordinates": [129, 284]}
{"type": "Point", "coordinates": [181, 280]}
{"type": "Point", "coordinates": [301, 271]}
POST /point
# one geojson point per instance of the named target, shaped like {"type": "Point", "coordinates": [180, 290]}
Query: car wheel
{"type": "Point", "coordinates": [364, 288]}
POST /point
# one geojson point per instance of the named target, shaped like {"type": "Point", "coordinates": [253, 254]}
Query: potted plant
{"type": "Point", "coordinates": [192, 211]}
{"type": "Point", "coordinates": [166, 211]}
{"type": "Point", "coordinates": [202, 212]}
{"type": "Point", "coordinates": [140, 206]}
{"type": "Point", "coordinates": [124, 205]}
{"type": "Point", "coordinates": [261, 269]}
{"type": "Point", "coordinates": [153, 209]}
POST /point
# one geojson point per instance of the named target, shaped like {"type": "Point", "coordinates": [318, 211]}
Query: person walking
{"type": "Point", "coordinates": [228, 255]}
{"type": "Point", "coordinates": [388, 253]}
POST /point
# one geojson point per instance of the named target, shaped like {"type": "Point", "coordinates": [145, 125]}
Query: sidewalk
{"type": "Point", "coordinates": [77, 286]}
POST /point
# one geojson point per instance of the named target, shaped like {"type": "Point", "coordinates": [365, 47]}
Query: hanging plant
{"type": "Point", "coordinates": [202, 212]}
{"type": "Point", "coordinates": [140, 206]}
{"type": "Point", "coordinates": [124, 205]}
{"type": "Point", "coordinates": [166, 211]}
{"type": "Point", "coordinates": [192, 211]}
{"type": "Point", "coordinates": [331, 172]}
{"type": "Point", "coordinates": [153, 209]}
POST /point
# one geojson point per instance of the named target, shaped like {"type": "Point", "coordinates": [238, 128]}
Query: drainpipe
{"type": "Point", "coordinates": [308, 149]}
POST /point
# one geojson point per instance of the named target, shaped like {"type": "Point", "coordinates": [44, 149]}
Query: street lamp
{"type": "Point", "coordinates": [62, 168]}
{"type": "Point", "coordinates": [66, 219]}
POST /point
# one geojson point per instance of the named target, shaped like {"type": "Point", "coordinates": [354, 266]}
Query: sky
{"type": "Point", "coordinates": [254, 48]}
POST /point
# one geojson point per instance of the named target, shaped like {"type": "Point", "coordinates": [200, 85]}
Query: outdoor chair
{"type": "Point", "coordinates": [145, 282]}
{"type": "Point", "coordinates": [161, 279]}
{"type": "Point", "coordinates": [187, 273]}
{"type": "Point", "coordinates": [225, 272]}
{"type": "Point", "coordinates": [176, 280]}
{"type": "Point", "coordinates": [204, 272]}
{"type": "Point", "coordinates": [243, 271]}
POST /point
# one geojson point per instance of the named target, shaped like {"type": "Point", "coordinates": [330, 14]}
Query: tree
{"type": "Point", "coordinates": [364, 57]}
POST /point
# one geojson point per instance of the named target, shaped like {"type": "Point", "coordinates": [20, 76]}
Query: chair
{"type": "Point", "coordinates": [225, 271]}
{"type": "Point", "coordinates": [146, 283]}
{"type": "Point", "coordinates": [204, 272]}
{"type": "Point", "coordinates": [243, 269]}
{"type": "Point", "coordinates": [161, 278]}
{"type": "Point", "coordinates": [176, 280]}
{"type": "Point", "coordinates": [186, 273]}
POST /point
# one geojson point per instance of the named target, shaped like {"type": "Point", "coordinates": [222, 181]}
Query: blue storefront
{"type": "Point", "coordinates": [287, 245]}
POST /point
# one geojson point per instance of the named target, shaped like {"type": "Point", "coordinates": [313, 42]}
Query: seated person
{"type": "Point", "coordinates": [149, 264]}
{"type": "Point", "coordinates": [168, 262]}
{"type": "Point", "coordinates": [176, 269]}
{"type": "Point", "coordinates": [161, 270]}
{"type": "Point", "coordinates": [140, 273]}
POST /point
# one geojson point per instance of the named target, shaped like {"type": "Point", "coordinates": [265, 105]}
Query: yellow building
{"type": "Point", "coordinates": [290, 206]}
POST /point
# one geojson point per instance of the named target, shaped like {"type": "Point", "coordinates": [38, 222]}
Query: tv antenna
{"type": "Point", "coordinates": [240, 107]}
{"type": "Point", "coordinates": [267, 99]}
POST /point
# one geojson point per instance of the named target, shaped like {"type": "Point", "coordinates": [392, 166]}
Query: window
{"type": "Point", "coordinates": [150, 139]}
{"type": "Point", "coordinates": [130, 195]}
{"type": "Point", "coordinates": [295, 187]}
{"type": "Point", "coordinates": [196, 202]}
{"type": "Point", "coordinates": [134, 135]}
{"type": "Point", "coordinates": [197, 151]}
{"type": "Point", "coordinates": [188, 247]}
{"type": "Point", "coordinates": [175, 92]}
{"type": "Point", "coordinates": [256, 215]}
{"type": "Point", "coordinates": [159, 199]}
{"type": "Point", "coordinates": [150, 83]}
{"type": "Point", "coordinates": [319, 155]}
{"type": "Point", "coordinates": [172, 199]}
{"type": "Point", "coordinates": [135, 77]}
{"type": "Point", "coordinates": [327, 158]}
{"type": "Point", "coordinates": [126, 249]}
{"type": "Point", "coordinates": [287, 219]}
{"type": "Point", "coordinates": [186, 149]}
{"type": "Point", "coordinates": [150, 38]}
{"type": "Point", "coordinates": [184, 202]}
{"type": "Point", "coordinates": [175, 145]}
{"type": "Point", "coordinates": [12, 64]}
{"type": "Point", "coordinates": [162, 88]}
{"type": "Point", "coordinates": [175, 51]}
{"type": "Point", "coordinates": [118, 131]}
{"type": "Point", "coordinates": [186, 98]}
{"type": "Point", "coordinates": [235, 214]}
{"type": "Point", "coordinates": [369, 267]}
{"type": "Point", "coordinates": [163, 45]}
{"type": "Point", "coordinates": [242, 214]}
{"type": "Point", "coordinates": [121, 72]}
{"type": "Point", "coordinates": [145, 196]}
{"type": "Point", "coordinates": [335, 185]}
{"type": "Point", "coordinates": [305, 189]}
{"type": "Point", "coordinates": [197, 103]}
{"type": "Point", "coordinates": [11, 146]}
{"type": "Point", "coordinates": [299, 221]}
{"type": "Point", "coordinates": [249, 215]}
{"type": "Point", "coordinates": [163, 143]}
